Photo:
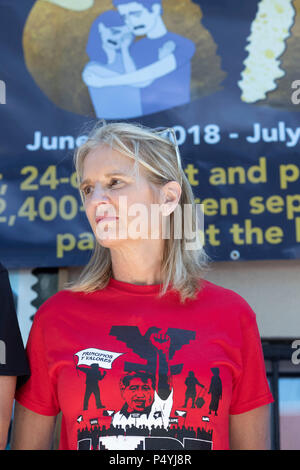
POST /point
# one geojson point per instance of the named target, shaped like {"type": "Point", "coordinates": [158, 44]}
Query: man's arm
{"type": "Point", "coordinates": [7, 392]}
{"type": "Point", "coordinates": [151, 72]}
{"type": "Point", "coordinates": [128, 62]}
{"type": "Point", "coordinates": [250, 431]}
{"type": "Point", "coordinates": [173, 54]}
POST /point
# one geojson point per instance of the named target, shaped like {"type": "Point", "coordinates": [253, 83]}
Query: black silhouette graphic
{"type": "Point", "coordinates": [93, 376]}
{"type": "Point", "coordinates": [200, 398]}
{"type": "Point", "coordinates": [215, 390]}
{"type": "Point", "coordinates": [175, 438]}
{"type": "Point", "coordinates": [148, 398]}
{"type": "Point", "coordinates": [142, 346]}
{"type": "Point", "coordinates": [191, 383]}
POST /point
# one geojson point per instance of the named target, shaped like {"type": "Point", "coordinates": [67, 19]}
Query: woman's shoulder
{"type": "Point", "coordinates": [210, 288]}
{"type": "Point", "coordinates": [55, 304]}
{"type": "Point", "coordinates": [226, 299]}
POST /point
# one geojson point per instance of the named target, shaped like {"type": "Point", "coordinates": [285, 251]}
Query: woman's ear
{"type": "Point", "coordinates": [170, 195]}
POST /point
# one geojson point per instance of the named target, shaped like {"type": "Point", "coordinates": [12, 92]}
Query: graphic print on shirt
{"type": "Point", "coordinates": [147, 419]}
{"type": "Point", "coordinates": [95, 359]}
{"type": "Point", "coordinates": [216, 391]}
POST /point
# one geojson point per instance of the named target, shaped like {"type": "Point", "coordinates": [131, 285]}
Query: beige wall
{"type": "Point", "coordinates": [272, 288]}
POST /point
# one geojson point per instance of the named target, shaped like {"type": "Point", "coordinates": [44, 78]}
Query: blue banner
{"type": "Point", "coordinates": [223, 74]}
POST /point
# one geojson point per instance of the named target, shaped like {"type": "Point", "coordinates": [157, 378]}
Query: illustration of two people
{"type": "Point", "coordinates": [215, 390]}
{"type": "Point", "coordinates": [127, 77]}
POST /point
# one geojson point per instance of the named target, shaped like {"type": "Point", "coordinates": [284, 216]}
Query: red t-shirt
{"type": "Point", "coordinates": [133, 371]}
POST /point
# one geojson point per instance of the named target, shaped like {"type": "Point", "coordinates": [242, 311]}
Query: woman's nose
{"type": "Point", "coordinates": [99, 195]}
{"type": "Point", "coordinates": [101, 203]}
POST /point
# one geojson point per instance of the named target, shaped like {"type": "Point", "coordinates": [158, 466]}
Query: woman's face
{"type": "Point", "coordinates": [112, 37]}
{"type": "Point", "coordinates": [118, 205]}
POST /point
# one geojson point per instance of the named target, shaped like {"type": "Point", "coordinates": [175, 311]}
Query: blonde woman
{"type": "Point", "coordinates": [112, 351]}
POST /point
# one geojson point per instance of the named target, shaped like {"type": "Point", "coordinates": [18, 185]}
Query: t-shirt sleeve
{"type": "Point", "coordinates": [250, 388]}
{"type": "Point", "coordinates": [13, 359]}
{"type": "Point", "coordinates": [184, 51]}
{"type": "Point", "coordinates": [38, 393]}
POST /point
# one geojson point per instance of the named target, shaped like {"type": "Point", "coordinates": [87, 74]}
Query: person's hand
{"type": "Point", "coordinates": [161, 341]}
{"type": "Point", "coordinates": [92, 79]}
{"type": "Point", "coordinates": [126, 40]}
{"type": "Point", "coordinates": [167, 49]}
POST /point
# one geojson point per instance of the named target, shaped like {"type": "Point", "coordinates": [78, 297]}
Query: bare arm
{"type": "Point", "coordinates": [32, 431]}
{"type": "Point", "coordinates": [7, 392]}
{"type": "Point", "coordinates": [250, 431]}
{"type": "Point", "coordinates": [130, 68]}
{"type": "Point", "coordinates": [150, 72]}
{"type": "Point", "coordinates": [127, 59]}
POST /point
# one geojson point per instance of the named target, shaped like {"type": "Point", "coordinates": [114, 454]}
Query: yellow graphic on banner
{"type": "Point", "coordinates": [267, 42]}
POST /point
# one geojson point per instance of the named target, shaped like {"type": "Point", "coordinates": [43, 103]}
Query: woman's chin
{"type": "Point", "coordinates": [108, 241]}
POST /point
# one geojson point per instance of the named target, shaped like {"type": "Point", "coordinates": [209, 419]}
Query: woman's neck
{"type": "Point", "coordinates": [139, 265]}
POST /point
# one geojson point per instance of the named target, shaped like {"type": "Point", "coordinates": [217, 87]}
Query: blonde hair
{"type": "Point", "coordinates": [181, 268]}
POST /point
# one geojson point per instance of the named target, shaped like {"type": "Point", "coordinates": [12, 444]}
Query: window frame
{"type": "Point", "coordinates": [278, 360]}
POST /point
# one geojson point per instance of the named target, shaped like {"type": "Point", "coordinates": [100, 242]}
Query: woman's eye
{"type": "Point", "coordinates": [114, 182]}
{"type": "Point", "coordinates": [87, 190]}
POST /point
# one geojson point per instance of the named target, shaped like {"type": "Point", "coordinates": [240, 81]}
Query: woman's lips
{"type": "Point", "coordinates": [105, 219]}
